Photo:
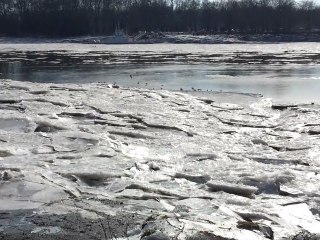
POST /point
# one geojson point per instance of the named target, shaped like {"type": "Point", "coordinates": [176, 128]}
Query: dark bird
{"type": "Point", "coordinates": [130, 76]}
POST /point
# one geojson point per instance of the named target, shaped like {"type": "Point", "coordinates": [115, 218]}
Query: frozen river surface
{"type": "Point", "coordinates": [88, 162]}
{"type": "Point", "coordinates": [285, 72]}
{"type": "Point", "coordinates": [100, 161]}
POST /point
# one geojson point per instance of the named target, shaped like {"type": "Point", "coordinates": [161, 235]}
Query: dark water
{"type": "Point", "coordinates": [283, 72]}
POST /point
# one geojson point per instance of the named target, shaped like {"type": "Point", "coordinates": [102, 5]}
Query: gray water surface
{"type": "Point", "coordinates": [288, 72]}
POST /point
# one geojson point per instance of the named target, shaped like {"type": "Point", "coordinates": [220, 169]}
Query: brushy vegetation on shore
{"type": "Point", "coordinates": [94, 17]}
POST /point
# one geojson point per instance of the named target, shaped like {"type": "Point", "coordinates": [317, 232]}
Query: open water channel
{"type": "Point", "coordinates": [285, 72]}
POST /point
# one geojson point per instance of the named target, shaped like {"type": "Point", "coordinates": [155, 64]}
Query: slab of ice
{"type": "Point", "coordinates": [13, 125]}
{"type": "Point", "coordinates": [299, 215]}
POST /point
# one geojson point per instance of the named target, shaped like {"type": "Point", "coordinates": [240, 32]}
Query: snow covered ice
{"type": "Point", "coordinates": [98, 162]}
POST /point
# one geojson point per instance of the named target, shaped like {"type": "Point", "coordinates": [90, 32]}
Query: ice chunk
{"type": "Point", "coordinates": [299, 215]}
{"type": "Point", "coordinates": [237, 189]}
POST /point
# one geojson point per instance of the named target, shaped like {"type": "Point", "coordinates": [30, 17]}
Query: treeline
{"type": "Point", "coordinates": [97, 17]}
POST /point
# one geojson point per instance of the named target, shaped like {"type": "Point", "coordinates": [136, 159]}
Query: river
{"type": "Point", "coordinates": [285, 72]}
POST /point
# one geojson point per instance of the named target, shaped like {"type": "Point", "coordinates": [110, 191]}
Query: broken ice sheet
{"type": "Point", "coordinates": [136, 151]}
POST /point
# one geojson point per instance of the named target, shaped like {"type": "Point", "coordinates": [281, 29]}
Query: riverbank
{"type": "Point", "coordinates": [96, 161]}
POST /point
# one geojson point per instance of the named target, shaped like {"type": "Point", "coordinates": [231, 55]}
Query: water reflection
{"type": "Point", "coordinates": [290, 82]}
